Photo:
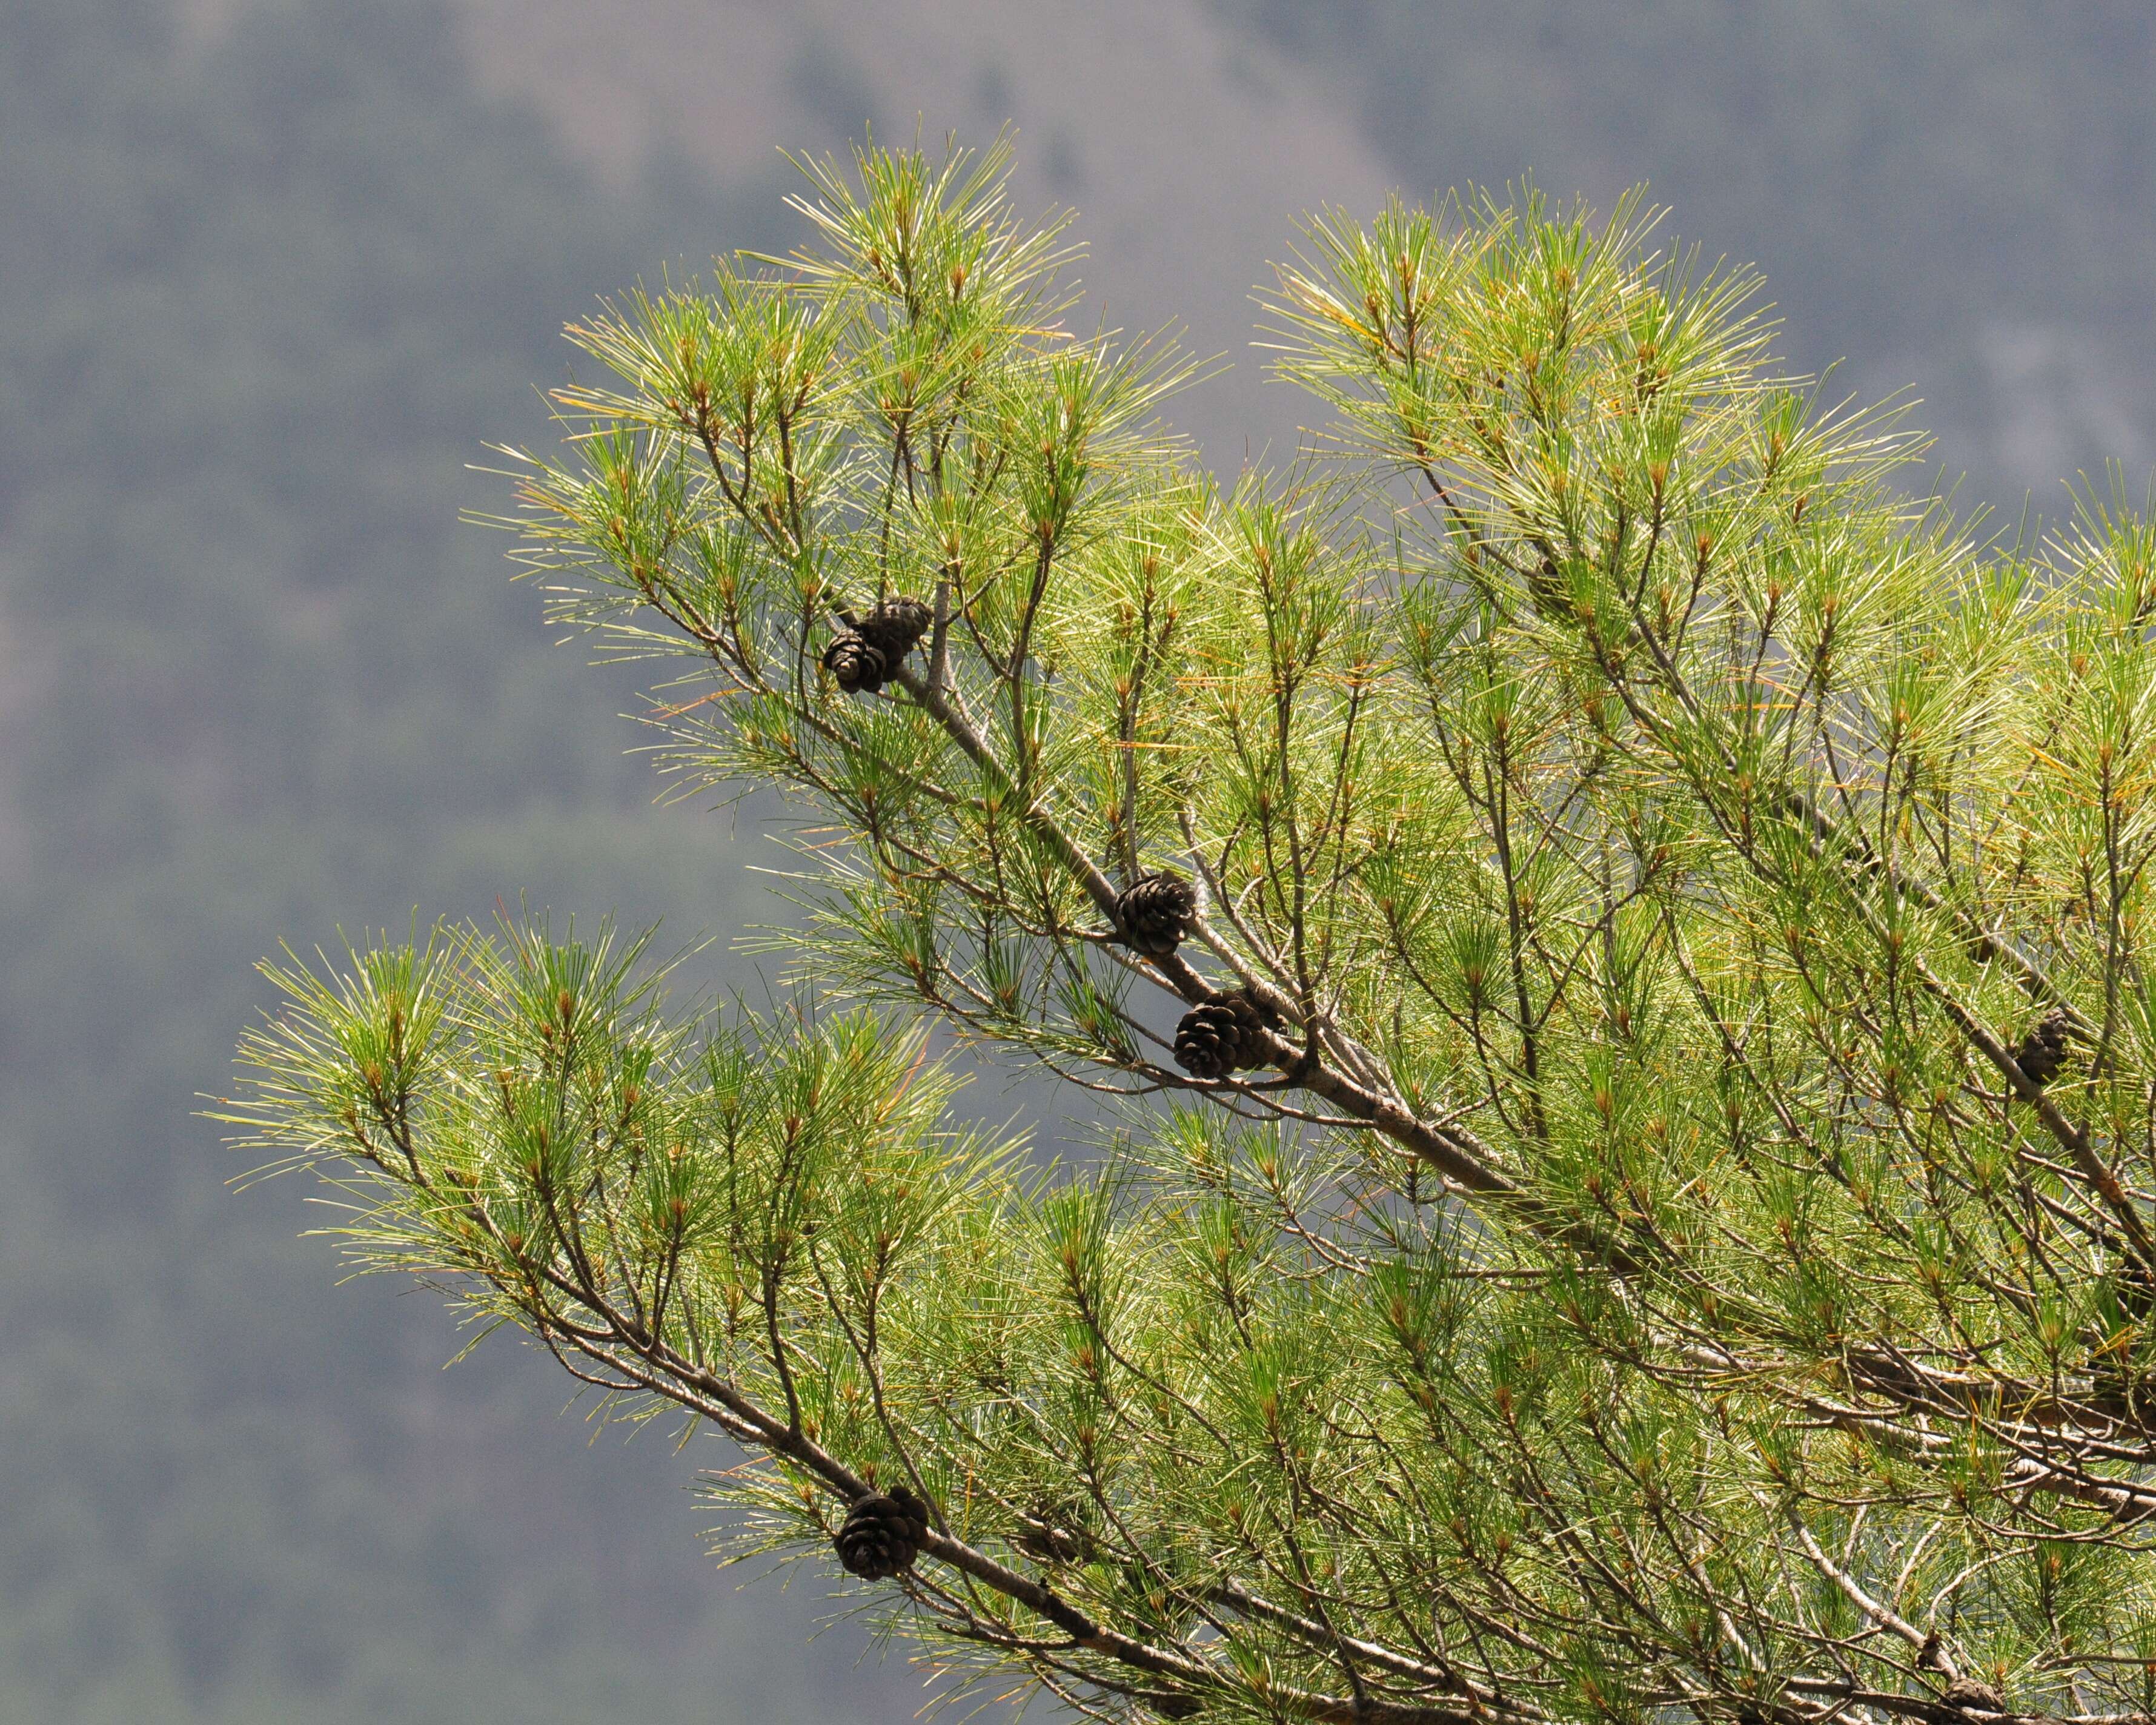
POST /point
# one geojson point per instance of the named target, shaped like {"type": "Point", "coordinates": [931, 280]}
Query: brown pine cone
{"type": "Point", "coordinates": [895, 625]}
{"type": "Point", "coordinates": [2043, 1050]}
{"type": "Point", "coordinates": [1209, 1042]}
{"type": "Point", "coordinates": [882, 1535]}
{"type": "Point", "coordinates": [1155, 912]}
{"type": "Point", "coordinates": [1223, 1035]}
{"type": "Point", "coordinates": [857, 664]}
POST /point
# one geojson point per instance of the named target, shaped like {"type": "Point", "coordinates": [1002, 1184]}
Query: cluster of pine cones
{"type": "Point", "coordinates": [1227, 1034]}
{"type": "Point", "coordinates": [882, 1535]}
{"type": "Point", "coordinates": [863, 659]}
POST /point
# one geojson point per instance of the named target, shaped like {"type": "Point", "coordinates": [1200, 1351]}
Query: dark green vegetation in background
{"type": "Point", "coordinates": [260, 309]}
{"type": "Point", "coordinates": [257, 309]}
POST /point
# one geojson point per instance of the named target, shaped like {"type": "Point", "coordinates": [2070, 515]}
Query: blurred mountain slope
{"type": "Point", "coordinates": [1187, 147]}
{"type": "Point", "coordinates": [1953, 198]}
{"type": "Point", "coordinates": [1950, 197]}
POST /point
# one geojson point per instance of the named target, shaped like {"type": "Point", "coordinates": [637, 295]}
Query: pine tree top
{"type": "Point", "coordinates": [1648, 1273]}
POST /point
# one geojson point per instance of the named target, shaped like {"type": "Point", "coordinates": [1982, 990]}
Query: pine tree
{"type": "Point", "coordinates": [1672, 1237]}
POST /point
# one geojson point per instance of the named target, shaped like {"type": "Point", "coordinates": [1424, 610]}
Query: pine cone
{"type": "Point", "coordinates": [1223, 1035]}
{"type": "Point", "coordinates": [856, 662]}
{"type": "Point", "coordinates": [1155, 913]}
{"type": "Point", "coordinates": [1971, 1697]}
{"type": "Point", "coordinates": [895, 625]}
{"type": "Point", "coordinates": [882, 1535]}
{"type": "Point", "coordinates": [2043, 1050]}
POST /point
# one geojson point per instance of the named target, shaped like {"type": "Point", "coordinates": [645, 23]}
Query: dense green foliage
{"type": "Point", "coordinates": [1659, 1264]}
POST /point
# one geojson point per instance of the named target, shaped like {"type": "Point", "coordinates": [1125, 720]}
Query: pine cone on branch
{"type": "Point", "coordinates": [1224, 1035]}
{"type": "Point", "coordinates": [863, 659]}
{"type": "Point", "coordinates": [857, 664]}
{"type": "Point", "coordinates": [2043, 1050]}
{"type": "Point", "coordinates": [1155, 913]}
{"type": "Point", "coordinates": [882, 1535]}
{"type": "Point", "coordinates": [894, 626]}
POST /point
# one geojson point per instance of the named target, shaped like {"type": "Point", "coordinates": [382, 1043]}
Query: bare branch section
{"type": "Point", "coordinates": [1654, 1215]}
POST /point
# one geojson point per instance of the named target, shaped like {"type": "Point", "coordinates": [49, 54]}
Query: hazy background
{"type": "Point", "coordinates": [270, 274]}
